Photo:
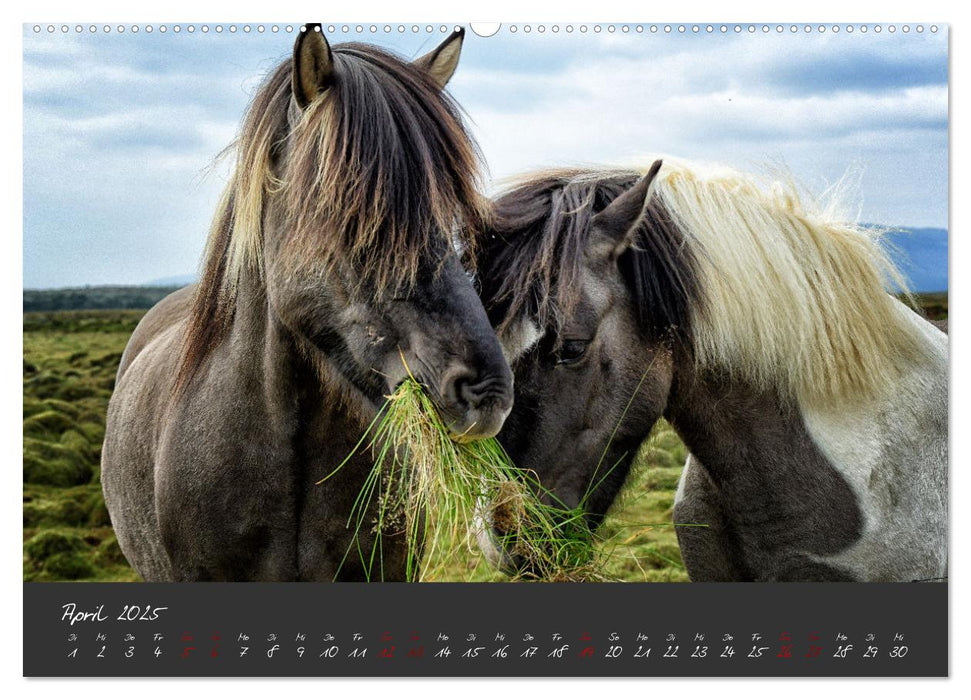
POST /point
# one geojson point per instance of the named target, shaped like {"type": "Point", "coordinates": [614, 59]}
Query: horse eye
{"type": "Point", "coordinates": [571, 351]}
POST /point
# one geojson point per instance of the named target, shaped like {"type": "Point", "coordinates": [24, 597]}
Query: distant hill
{"type": "Point", "coordinates": [173, 281]}
{"type": "Point", "coordinates": [921, 253]}
{"type": "Point", "coordinates": [110, 297]}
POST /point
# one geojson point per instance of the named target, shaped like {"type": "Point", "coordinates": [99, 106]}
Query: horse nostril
{"type": "Point", "coordinates": [465, 389]}
{"type": "Point", "coordinates": [456, 389]}
{"type": "Point", "coordinates": [475, 403]}
{"type": "Point", "coordinates": [469, 393]}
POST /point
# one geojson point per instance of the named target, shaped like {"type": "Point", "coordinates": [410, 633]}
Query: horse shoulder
{"type": "Point", "coordinates": [135, 418]}
{"type": "Point", "coordinates": [169, 311]}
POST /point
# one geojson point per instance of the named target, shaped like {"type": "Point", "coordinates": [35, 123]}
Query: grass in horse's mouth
{"type": "Point", "coordinates": [428, 488]}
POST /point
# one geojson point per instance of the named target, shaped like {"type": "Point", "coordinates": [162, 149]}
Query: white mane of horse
{"type": "Point", "coordinates": [792, 297]}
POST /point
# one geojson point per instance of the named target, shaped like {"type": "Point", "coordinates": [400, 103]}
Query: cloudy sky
{"type": "Point", "coordinates": [120, 130]}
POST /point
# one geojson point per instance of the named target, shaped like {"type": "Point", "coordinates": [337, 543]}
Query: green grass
{"type": "Point", "coordinates": [428, 487]}
{"type": "Point", "coordinates": [70, 360]}
{"type": "Point", "coordinates": [637, 541]}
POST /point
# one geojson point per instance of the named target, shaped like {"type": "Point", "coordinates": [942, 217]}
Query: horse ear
{"type": "Point", "coordinates": [613, 229]}
{"type": "Point", "coordinates": [313, 65]}
{"type": "Point", "coordinates": [440, 63]}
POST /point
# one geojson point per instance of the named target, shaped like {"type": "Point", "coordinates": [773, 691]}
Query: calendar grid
{"type": "Point", "coordinates": [486, 629]}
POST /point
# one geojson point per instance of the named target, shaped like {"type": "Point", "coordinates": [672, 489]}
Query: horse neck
{"type": "Point", "coordinates": [737, 431]}
{"type": "Point", "coordinates": [256, 353]}
{"type": "Point", "coordinates": [293, 383]}
{"type": "Point", "coordinates": [775, 495]}
{"type": "Point", "coordinates": [819, 478]}
{"type": "Point", "coordinates": [734, 421]}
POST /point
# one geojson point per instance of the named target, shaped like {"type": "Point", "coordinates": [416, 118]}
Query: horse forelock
{"type": "Point", "coordinates": [531, 261]}
{"type": "Point", "coordinates": [753, 280]}
{"type": "Point", "coordinates": [382, 171]}
{"type": "Point", "coordinates": [378, 174]}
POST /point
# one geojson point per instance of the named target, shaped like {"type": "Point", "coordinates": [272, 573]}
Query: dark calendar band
{"type": "Point", "coordinates": [485, 630]}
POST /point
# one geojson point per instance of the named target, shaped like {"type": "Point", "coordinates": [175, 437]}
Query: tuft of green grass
{"type": "Point", "coordinates": [433, 489]}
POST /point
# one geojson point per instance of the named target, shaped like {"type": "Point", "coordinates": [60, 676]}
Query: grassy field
{"type": "Point", "coordinates": [70, 360]}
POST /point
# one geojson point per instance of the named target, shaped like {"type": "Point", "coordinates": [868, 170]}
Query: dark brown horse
{"type": "Point", "coordinates": [814, 403]}
{"type": "Point", "coordinates": [331, 263]}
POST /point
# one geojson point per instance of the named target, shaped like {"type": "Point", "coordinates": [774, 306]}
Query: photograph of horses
{"type": "Point", "coordinates": [546, 303]}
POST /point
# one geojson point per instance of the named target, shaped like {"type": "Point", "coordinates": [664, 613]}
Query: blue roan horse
{"type": "Point", "coordinates": [814, 402]}
{"type": "Point", "coordinates": [331, 263]}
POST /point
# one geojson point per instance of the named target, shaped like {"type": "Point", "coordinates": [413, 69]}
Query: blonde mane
{"type": "Point", "coordinates": [792, 297]}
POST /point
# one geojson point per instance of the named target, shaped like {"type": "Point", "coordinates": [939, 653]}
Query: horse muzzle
{"type": "Point", "coordinates": [474, 408]}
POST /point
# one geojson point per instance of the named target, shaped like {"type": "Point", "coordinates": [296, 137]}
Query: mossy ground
{"type": "Point", "coordinates": [70, 360]}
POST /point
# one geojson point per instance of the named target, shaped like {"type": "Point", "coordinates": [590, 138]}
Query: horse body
{"type": "Point", "coordinates": [813, 402]}
{"type": "Point", "coordinates": [225, 491]}
{"type": "Point", "coordinates": [893, 452]}
{"type": "Point", "coordinates": [331, 273]}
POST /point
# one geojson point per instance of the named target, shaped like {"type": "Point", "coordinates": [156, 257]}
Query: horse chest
{"type": "Point", "coordinates": [226, 501]}
{"type": "Point", "coordinates": [787, 516]}
{"type": "Point", "coordinates": [336, 533]}
{"type": "Point", "coordinates": [248, 503]}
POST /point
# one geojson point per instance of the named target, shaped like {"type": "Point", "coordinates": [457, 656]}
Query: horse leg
{"type": "Point", "coordinates": [709, 553]}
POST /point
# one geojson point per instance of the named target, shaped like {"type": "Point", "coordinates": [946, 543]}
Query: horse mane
{"type": "Point", "coordinates": [377, 173]}
{"type": "Point", "coordinates": [532, 263]}
{"type": "Point", "coordinates": [758, 284]}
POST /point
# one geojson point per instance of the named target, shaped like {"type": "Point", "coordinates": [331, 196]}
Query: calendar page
{"type": "Point", "coordinates": [462, 349]}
